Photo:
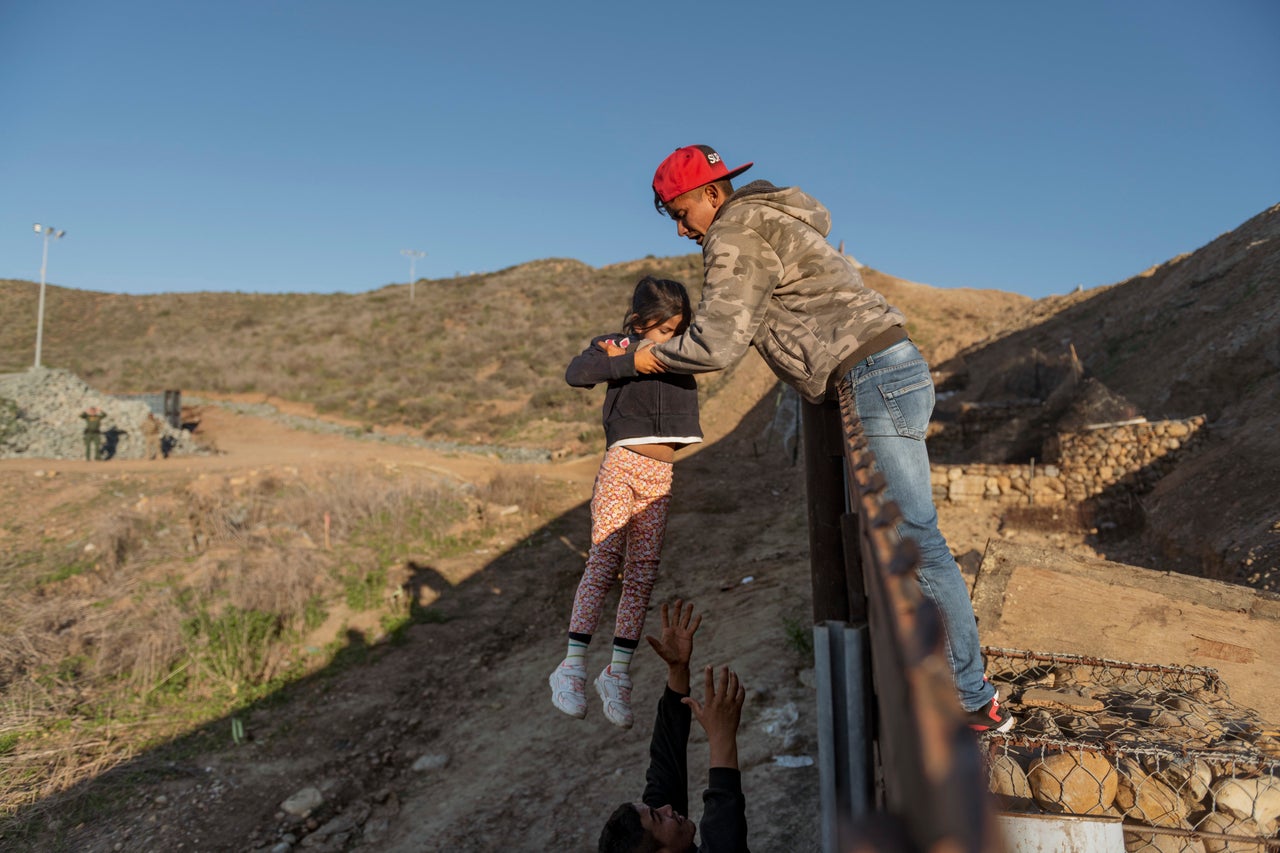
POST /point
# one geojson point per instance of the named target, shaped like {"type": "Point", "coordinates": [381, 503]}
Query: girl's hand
{"type": "Point", "coordinates": [611, 349]}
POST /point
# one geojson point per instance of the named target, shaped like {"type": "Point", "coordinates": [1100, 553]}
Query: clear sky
{"type": "Point", "coordinates": [300, 145]}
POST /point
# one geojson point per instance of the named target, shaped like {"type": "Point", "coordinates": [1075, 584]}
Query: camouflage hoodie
{"type": "Point", "coordinates": [773, 282]}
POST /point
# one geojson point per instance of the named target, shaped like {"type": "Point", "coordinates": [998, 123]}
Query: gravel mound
{"type": "Point", "coordinates": [40, 418]}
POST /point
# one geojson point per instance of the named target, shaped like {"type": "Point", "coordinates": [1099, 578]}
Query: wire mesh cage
{"type": "Point", "coordinates": [1163, 747]}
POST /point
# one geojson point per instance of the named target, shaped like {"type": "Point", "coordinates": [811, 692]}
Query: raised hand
{"type": "Point", "coordinates": [719, 715]}
{"type": "Point", "coordinates": [675, 644]}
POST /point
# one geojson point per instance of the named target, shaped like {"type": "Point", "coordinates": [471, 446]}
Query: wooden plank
{"type": "Point", "coordinates": [1045, 601]}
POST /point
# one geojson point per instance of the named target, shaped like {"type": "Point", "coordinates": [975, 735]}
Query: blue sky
{"type": "Point", "coordinates": [299, 145]}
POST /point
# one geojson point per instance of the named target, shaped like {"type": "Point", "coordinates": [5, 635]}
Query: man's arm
{"type": "Point", "coordinates": [724, 808]}
{"type": "Point", "coordinates": [742, 270]}
{"type": "Point", "coordinates": [667, 780]}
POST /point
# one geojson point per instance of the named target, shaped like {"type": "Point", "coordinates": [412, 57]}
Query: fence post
{"type": "Point", "coordinates": [845, 756]}
{"type": "Point", "coordinates": [842, 660]}
{"type": "Point", "coordinates": [823, 440]}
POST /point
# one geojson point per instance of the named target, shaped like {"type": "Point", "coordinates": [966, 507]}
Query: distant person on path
{"type": "Point", "coordinates": [93, 418]}
{"type": "Point", "coordinates": [151, 434]}
{"type": "Point", "coordinates": [659, 822]}
{"type": "Point", "coordinates": [772, 281]}
{"type": "Point", "coordinates": [645, 422]}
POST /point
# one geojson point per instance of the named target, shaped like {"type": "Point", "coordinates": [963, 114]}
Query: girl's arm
{"type": "Point", "coordinates": [593, 365]}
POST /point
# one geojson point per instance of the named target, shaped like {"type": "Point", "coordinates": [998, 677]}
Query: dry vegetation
{"type": "Point", "coordinates": [137, 612]}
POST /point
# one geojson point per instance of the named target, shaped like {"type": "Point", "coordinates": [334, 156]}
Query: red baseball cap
{"type": "Point", "coordinates": [689, 168]}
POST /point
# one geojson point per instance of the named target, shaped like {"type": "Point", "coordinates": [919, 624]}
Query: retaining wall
{"type": "Point", "coordinates": [1133, 455]}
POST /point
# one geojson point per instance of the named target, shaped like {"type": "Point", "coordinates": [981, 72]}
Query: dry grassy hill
{"type": "Point", "coordinates": [476, 359]}
{"type": "Point", "coordinates": [1199, 334]}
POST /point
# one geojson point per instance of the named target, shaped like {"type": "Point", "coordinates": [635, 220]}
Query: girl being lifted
{"type": "Point", "coordinates": [646, 419]}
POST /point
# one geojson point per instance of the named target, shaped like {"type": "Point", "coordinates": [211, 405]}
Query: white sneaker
{"type": "Point", "coordinates": [569, 689]}
{"type": "Point", "coordinates": [615, 691]}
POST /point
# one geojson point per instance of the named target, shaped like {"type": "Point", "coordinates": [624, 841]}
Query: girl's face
{"type": "Point", "coordinates": [662, 332]}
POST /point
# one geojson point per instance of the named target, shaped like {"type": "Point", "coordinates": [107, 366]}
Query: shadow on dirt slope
{"type": "Point", "coordinates": [461, 696]}
{"type": "Point", "coordinates": [1199, 335]}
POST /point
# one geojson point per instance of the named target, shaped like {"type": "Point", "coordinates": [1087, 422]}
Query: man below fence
{"type": "Point", "coordinates": [659, 821]}
{"type": "Point", "coordinates": [772, 281]}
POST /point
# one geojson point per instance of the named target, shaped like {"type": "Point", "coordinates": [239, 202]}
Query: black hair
{"type": "Point", "coordinates": [655, 300]}
{"type": "Point", "coordinates": [623, 833]}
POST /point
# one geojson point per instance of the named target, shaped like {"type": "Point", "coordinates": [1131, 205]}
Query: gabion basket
{"type": "Point", "coordinates": [1163, 747]}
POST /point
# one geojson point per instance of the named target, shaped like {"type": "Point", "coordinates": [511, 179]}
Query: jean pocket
{"type": "Point", "coordinates": [910, 404]}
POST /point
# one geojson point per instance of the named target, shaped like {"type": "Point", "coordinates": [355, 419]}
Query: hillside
{"type": "Point", "coordinates": [472, 359]}
{"type": "Point", "coordinates": [1199, 334]}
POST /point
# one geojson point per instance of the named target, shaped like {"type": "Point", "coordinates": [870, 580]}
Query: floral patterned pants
{"type": "Point", "coordinates": [628, 523]}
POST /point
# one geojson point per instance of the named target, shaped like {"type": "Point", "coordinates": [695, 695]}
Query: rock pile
{"type": "Point", "coordinates": [1134, 455]}
{"type": "Point", "coordinates": [1163, 747]}
{"type": "Point", "coordinates": [40, 418]}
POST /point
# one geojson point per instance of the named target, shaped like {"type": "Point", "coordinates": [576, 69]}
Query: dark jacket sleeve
{"type": "Point", "coordinates": [667, 782]}
{"type": "Point", "coordinates": [724, 813]}
{"type": "Point", "coordinates": [592, 366]}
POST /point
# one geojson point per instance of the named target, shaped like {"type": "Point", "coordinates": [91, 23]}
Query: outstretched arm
{"type": "Point", "coordinates": [724, 808]}
{"type": "Point", "coordinates": [719, 714]}
{"type": "Point", "coordinates": [667, 781]}
{"type": "Point", "coordinates": [675, 644]}
{"type": "Point", "coordinates": [742, 269]}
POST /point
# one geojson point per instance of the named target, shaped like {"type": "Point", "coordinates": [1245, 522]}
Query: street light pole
{"type": "Point", "coordinates": [46, 231]}
{"type": "Point", "coordinates": [412, 255]}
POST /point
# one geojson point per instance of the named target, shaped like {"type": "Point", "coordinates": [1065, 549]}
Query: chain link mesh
{"type": "Point", "coordinates": [1163, 747]}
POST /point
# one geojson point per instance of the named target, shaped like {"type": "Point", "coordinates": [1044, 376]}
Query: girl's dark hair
{"type": "Point", "coordinates": [655, 300]}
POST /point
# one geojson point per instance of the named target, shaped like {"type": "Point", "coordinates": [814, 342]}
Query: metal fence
{"type": "Point", "coordinates": [1160, 752]}
{"type": "Point", "coordinates": [166, 404]}
{"type": "Point", "coordinates": [899, 768]}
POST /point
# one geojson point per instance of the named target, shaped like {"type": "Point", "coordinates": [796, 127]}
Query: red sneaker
{"type": "Point", "coordinates": [990, 718]}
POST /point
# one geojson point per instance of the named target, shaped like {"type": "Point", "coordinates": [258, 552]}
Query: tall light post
{"type": "Point", "coordinates": [412, 255]}
{"type": "Point", "coordinates": [47, 231]}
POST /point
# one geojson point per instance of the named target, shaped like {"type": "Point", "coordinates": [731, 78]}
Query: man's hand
{"type": "Point", "coordinates": [719, 714]}
{"type": "Point", "coordinates": [675, 644]}
{"type": "Point", "coordinates": [647, 362]}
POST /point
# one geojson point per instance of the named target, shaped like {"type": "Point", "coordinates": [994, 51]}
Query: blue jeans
{"type": "Point", "coordinates": [893, 394]}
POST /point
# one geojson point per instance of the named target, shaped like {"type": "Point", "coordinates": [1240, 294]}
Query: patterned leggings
{"type": "Point", "coordinates": [628, 522]}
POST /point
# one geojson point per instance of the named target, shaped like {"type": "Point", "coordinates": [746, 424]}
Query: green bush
{"type": "Point", "coordinates": [235, 646]}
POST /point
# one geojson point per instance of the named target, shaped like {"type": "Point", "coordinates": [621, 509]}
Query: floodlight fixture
{"type": "Point", "coordinates": [47, 232]}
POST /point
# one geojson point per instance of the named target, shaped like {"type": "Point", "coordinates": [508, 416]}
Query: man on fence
{"type": "Point", "coordinates": [772, 281]}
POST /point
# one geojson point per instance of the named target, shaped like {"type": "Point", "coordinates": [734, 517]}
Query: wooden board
{"type": "Point", "coordinates": [1046, 601]}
